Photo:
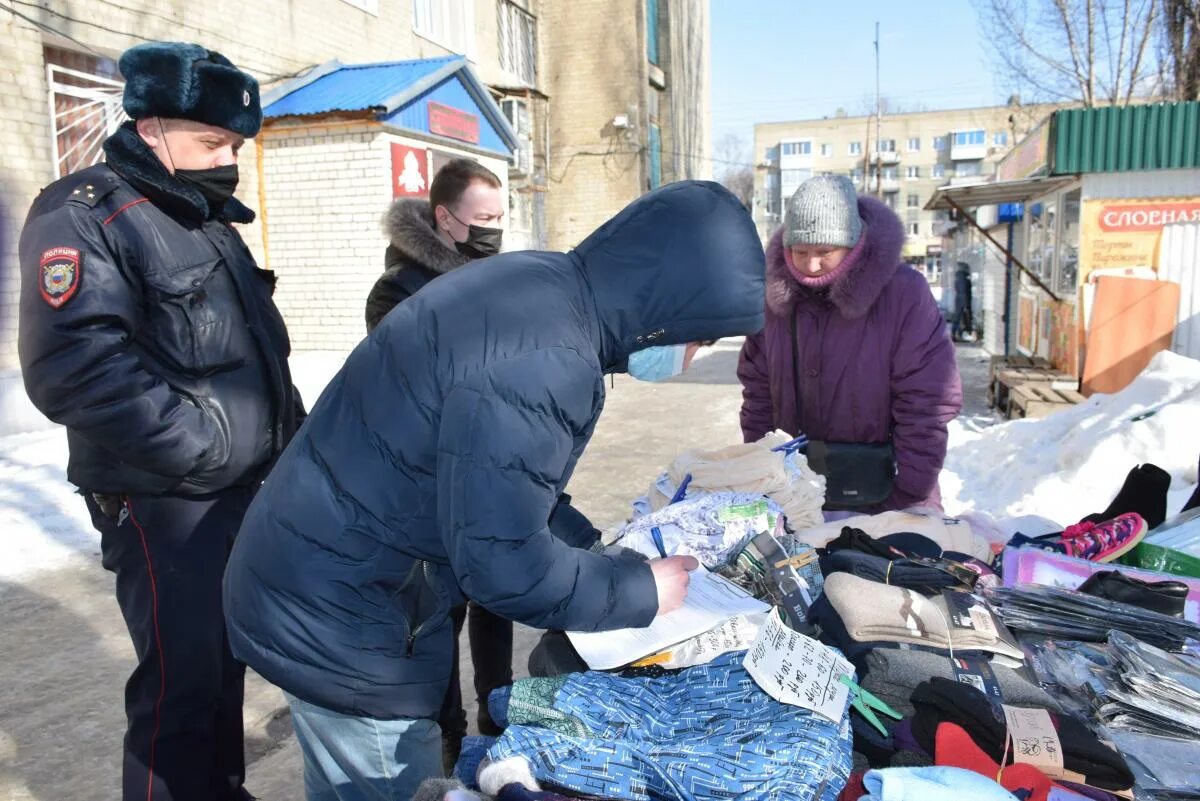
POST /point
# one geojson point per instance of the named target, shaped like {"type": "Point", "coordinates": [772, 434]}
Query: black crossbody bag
{"type": "Point", "coordinates": [857, 474]}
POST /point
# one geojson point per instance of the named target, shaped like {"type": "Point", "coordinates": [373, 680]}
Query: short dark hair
{"type": "Point", "coordinates": [453, 179]}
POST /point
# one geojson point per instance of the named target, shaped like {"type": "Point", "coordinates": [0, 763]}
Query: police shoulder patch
{"type": "Point", "coordinates": [62, 270]}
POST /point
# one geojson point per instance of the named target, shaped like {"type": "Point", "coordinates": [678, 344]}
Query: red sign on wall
{"type": "Point", "coordinates": [410, 171]}
{"type": "Point", "coordinates": [454, 123]}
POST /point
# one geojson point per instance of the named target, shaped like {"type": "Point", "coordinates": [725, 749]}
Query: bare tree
{"type": "Point", "coordinates": [1095, 51]}
{"type": "Point", "coordinates": [734, 168]}
{"type": "Point", "coordinates": [1180, 48]}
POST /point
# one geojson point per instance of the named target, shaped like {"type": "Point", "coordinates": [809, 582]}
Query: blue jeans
{"type": "Point", "coordinates": [349, 758]}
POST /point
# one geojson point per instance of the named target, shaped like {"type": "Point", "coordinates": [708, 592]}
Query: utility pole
{"type": "Point", "coordinates": [878, 122]}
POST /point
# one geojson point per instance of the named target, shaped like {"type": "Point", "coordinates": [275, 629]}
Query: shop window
{"type": "Point", "coordinates": [518, 41]}
{"type": "Point", "coordinates": [855, 149]}
{"type": "Point", "coordinates": [449, 23]}
{"type": "Point", "coordinates": [1068, 242]}
{"type": "Point", "coordinates": [1043, 219]}
{"type": "Point", "coordinates": [914, 144]}
{"type": "Point", "coordinates": [85, 102]}
{"type": "Point", "coordinates": [652, 31]}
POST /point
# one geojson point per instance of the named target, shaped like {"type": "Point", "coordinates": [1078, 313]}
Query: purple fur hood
{"type": "Point", "coordinates": [870, 358]}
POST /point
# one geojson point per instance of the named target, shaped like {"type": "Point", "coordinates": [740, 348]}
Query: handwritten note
{"type": "Point", "coordinates": [710, 601]}
{"type": "Point", "coordinates": [798, 670]}
{"type": "Point", "coordinates": [1034, 739]}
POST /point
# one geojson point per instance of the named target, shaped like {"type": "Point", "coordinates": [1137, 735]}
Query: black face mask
{"type": "Point", "coordinates": [481, 242]}
{"type": "Point", "coordinates": [217, 184]}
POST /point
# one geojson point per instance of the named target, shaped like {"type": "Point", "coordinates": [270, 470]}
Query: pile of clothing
{"type": "Point", "coordinates": [766, 468]}
{"type": "Point", "coordinates": [951, 634]}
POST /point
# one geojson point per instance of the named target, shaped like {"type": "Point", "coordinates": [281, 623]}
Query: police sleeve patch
{"type": "Point", "coordinates": [62, 270]}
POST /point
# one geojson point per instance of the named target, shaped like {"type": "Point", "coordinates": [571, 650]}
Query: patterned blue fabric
{"type": "Point", "coordinates": [707, 732]}
{"type": "Point", "coordinates": [470, 757]}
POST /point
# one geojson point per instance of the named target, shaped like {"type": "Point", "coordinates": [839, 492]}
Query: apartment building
{"type": "Point", "coordinates": [901, 158]}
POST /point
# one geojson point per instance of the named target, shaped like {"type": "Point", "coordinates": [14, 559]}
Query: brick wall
{"type": "Point", "coordinates": [326, 188]}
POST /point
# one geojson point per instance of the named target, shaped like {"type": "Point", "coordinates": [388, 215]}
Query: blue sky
{"type": "Point", "coordinates": [794, 59]}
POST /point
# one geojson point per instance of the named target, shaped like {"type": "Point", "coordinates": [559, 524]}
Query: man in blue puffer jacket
{"type": "Point", "coordinates": [431, 469]}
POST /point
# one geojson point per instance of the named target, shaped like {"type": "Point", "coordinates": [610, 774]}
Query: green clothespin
{"type": "Point", "coordinates": [866, 703]}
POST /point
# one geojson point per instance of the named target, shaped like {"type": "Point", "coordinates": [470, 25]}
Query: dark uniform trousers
{"type": "Point", "coordinates": [183, 702]}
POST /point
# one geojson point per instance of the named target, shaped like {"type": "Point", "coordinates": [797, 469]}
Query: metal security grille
{"type": "Point", "coordinates": [85, 108]}
{"type": "Point", "coordinates": [518, 41]}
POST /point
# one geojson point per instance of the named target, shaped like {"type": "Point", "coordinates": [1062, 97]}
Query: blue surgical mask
{"type": "Point", "coordinates": [657, 363]}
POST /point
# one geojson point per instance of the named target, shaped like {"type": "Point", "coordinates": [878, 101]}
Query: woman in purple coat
{"type": "Point", "coordinates": [855, 349]}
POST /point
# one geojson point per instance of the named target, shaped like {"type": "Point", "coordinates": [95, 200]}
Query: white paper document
{"type": "Point", "coordinates": [798, 670]}
{"type": "Point", "coordinates": [710, 601]}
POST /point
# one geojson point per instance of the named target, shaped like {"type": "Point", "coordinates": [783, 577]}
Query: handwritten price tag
{"type": "Point", "coordinates": [1034, 739]}
{"type": "Point", "coordinates": [798, 670]}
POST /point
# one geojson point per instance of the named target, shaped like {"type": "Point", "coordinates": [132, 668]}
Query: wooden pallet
{"type": "Point", "coordinates": [1016, 371]}
{"type": "Point", "coordinates": [1037, 399]}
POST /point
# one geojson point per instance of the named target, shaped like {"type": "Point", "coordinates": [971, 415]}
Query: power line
{"type": "Point", "coordinates": [51, 29]}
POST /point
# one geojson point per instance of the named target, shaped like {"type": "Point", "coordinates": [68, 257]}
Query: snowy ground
{"type": "Point", "coordinates": [1072, 463]}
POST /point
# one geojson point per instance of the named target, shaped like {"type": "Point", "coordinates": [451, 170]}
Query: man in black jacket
{"type": "Point", "coordinates": [457, 224]}
{"type": "Point", "coordinates": [460, 222]}
{"type": "Point", "coordinates": [148, 331]}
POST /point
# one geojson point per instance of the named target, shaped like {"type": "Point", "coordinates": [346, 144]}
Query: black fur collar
{"type": "Point", "coordinates": [409, 226]}
{"type": "Point", "coordinates": [132, 159]}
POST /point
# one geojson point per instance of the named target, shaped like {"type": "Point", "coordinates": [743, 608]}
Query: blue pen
{"type": "Point", "coordinates": [656, 535]}
{"type": "Point", "coordinates": [792, 445]}
{"type": "Point", "coordinates": [681, 493]}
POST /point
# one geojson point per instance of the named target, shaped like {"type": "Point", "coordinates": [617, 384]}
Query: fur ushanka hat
{"type": "Point", "coordinates": [187, 81]}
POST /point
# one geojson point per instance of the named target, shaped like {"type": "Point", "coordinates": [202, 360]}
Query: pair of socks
{"type": "Point", "coordinates": [924, 578]}
{"type": "Point", "coordinates": [874, 612]}
{"type": "Point", "coordinates": [956, 748]}
{"type": "Point", "coordinates": [891, 675]}
{"type": "Point", "coordinates": [941, 701]}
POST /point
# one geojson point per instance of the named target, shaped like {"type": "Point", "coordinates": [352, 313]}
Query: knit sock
{"type": "Point", "coordinates": [955, 748]}
{"type": "Point", "coordinates": [1144, 492]}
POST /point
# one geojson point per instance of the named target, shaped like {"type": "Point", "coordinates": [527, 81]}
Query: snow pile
{"type": "Point", "coordinates": [44, 523]}
{"type": "Point", "coordinates": [1072, 463]}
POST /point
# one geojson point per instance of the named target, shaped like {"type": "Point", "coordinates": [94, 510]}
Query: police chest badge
{"type": "Point", "coordinates": [62, 269]}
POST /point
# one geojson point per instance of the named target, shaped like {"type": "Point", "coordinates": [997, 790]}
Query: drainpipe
{"type": "Point", "coordinates": [1008, 287]}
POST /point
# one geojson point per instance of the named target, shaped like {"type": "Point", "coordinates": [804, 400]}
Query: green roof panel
{"type": "Point", "coordinates": [1161, 136]}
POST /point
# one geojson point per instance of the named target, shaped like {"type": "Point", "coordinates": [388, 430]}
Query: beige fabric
{"type": "Point", "coordinates": [752, 468]}
{"type": "Point", "coordinates": [874, 612]}
{"type": "Point", "coordinates": [949, 533]}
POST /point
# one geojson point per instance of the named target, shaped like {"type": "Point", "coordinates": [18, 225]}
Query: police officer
{"type": "Point", "coordinates": [148, 331]}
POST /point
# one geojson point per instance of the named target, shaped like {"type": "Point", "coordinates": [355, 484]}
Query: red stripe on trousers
{"type": "Point", "coordinates": [162, 665]}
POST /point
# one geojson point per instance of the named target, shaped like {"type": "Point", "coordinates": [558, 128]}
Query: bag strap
{"type": "Point", "coordinates": [797, 388]}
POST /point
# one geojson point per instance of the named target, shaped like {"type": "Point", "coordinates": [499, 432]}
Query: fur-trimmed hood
{"type": "Point", "coordinates": [410, 227]}
{"type": "Point", "coordinates": [859, 286]}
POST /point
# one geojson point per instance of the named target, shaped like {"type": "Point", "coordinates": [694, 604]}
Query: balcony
{"type": "Point", "coordinates": [885, 157]}
{"type": "Point", "coordinates": [968, 152]}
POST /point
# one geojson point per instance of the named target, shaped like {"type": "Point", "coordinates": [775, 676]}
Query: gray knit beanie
{"type": "Point", "coordinates": [824, 211]}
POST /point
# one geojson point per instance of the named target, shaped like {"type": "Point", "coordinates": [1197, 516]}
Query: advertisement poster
{"type": "Point", "coordinates": [1121, 234]}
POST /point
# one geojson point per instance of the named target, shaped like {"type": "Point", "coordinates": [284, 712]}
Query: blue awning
{"type": "Point", "coordinates": [399, 94]}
